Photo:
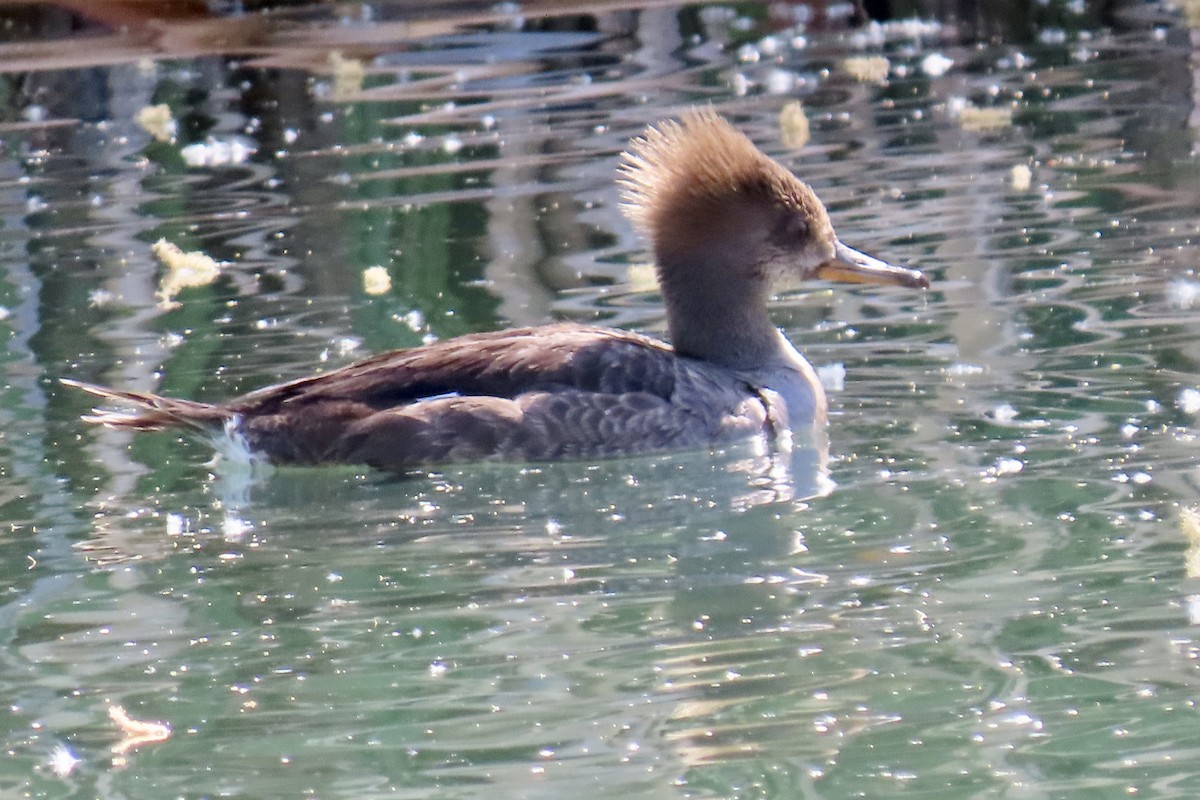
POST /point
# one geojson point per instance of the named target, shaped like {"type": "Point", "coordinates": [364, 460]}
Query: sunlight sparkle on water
{"type": "Point", "coordinates": [1008, 539]}
{"type": "Point", "coordinates": [1189, 401]}
{"type": "Point", "coordinates": [1183, 294]}
{"type": "Point", "coordinates": [63, 762]}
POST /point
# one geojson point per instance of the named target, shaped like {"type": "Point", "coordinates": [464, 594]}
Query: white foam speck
{"type": "Point", "coordinates": [63, 762]}
{"type": "Point", "coordinates": [1189, 401]}
{"type": "Point", "coordinates": [833, 376]}
{"type": "Point", "coordinates": [234, 528]}
{"type": "Point", "coordinates": [347, 344]}
{"type": "Point", "coordinates": [935, 65]}
{"type": "Point", "coordinates": [1007, 466]}
{"type": "Point", "coordinates": [780, 81]}
{"type": "Point", "coordinates": [99, 298]}
{"type": "Point", "coordinates": [1004, 413]}
{"type": "Point", "coordinates": [217, 152]}
{"type": "Point", "coordinates": [1183, 294]}
{"type": "Point", "coordinates": [961, 368]}
{"type": "Point", "coordinates": [749, 54]}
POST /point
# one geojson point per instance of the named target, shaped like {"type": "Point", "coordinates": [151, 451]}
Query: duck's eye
{"type": "Point", "coordinates": [792, 228]}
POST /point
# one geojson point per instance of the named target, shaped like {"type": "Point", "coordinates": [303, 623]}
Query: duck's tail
{"type": "Point", "coordinates": [151, 412]}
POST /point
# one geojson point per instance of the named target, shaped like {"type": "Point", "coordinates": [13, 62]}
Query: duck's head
{"type": "Point", "coordinates": [717, 210]}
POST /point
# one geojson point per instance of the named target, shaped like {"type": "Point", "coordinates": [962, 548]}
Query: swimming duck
{"type": "Point", "coordinates": [726, 223]}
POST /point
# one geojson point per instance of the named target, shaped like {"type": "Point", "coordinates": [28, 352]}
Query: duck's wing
{"type": "Point", "coordinates": [527, 393]}
{"type": "Point", "coordinates": [534, 426]}
{"type": "Point", "coordinates": [536, 394]}
{"type": "Point", "coordinates": [303, 419]}
{"type": "Point", "coordinates": [500, 364]}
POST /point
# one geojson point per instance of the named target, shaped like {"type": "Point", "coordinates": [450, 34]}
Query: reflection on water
{"type": "Point", "coordinates": [981, 585]}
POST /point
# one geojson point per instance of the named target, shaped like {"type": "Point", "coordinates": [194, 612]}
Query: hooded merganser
{"type": "Point", "coordinates": [726, 224]}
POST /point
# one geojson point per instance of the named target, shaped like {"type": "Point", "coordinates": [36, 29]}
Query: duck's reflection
{"type": "Point", "coordinates": [739, 477]}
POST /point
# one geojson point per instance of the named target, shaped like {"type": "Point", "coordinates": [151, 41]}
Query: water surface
{"type": "Point", "coordinates": [986, 587]}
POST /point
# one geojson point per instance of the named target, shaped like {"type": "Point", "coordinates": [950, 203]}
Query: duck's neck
{"type": "Point", "coordinates": [718, 316]}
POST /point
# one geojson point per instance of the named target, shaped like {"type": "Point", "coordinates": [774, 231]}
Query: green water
{"type": "Point", "coordinates": [986, 586]}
